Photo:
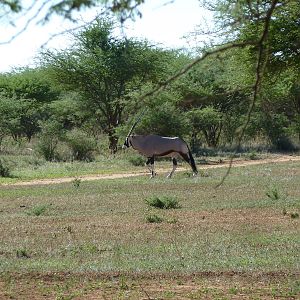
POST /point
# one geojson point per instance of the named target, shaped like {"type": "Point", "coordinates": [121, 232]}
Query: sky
{"type": "Point", "coordinates": [163, 22]}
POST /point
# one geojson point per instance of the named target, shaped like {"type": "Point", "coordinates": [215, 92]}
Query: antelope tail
{"type": "Point", "coordinates": [192, 162]}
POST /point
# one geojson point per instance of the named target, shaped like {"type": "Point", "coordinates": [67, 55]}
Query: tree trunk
{"type": "Point", "coordinates": [113, 142]}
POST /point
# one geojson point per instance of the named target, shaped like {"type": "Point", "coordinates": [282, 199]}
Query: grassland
{"type": "Point", "coordinates": [93, 240]}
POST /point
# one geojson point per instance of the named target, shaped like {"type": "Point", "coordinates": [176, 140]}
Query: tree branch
{"type": "Point", "coordinates": [196, 61]}
{"type": "Point", "coordinates": [260, 66]}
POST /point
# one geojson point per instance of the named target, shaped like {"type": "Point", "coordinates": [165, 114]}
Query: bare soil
{"type": "Point", "coordinates": [210, 285]}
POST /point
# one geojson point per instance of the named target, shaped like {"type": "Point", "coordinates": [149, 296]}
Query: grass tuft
{"type": "Point", "coordinates": [294, 215]}
{"type": "Point", "coordinates": [273, 193]}
{"type": "Point", "coordinates": [22, 253]}
{"type": "Point", "coordinates": [37, 210]}
{"type": "Point", "coordinates": [154, 219]}
{"type": "Point", "coordinates": [76, 182]}
{"type": "Point", "coordinates": [163, 202]}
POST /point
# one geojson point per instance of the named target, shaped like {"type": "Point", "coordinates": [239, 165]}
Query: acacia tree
{"type": "Point", "coordinates": [104, 69]}
{"type": "Point", "coordinates": [22, 101]}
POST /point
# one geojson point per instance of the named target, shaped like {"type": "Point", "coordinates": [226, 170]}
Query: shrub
{"type": "Point", "coordinates": [137, 161]}
{"type": "Point", "coordinates": [253, 155]}
{"type": "Point", "coordinates": [163, 202]}
{"type": "Point", "coordinates": [283, 143]}
{"type": "Point", "coordinates": [82, 146]}
{"type": "Point", "coordinates": [51, 133]}
{"type": "Point", "coordinates": [4, 169]}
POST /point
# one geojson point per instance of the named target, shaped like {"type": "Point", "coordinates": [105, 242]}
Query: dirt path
{"type": "Point", "coordinates": [238, 163]}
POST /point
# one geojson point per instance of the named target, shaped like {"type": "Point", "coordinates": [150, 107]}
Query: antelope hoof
{"type": "Point", "coordinates": [170, 175]}
{"type": "Point", "coordinates": [153, 175]}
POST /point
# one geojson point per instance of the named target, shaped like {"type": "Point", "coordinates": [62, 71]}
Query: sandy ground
{"type": "Point", "coordinates": [238, 163]}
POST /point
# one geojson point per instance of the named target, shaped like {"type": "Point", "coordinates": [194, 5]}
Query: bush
{"type": "Point", "coordinates": [283, 143]}
{"type": "Point", "coordinates": [137, 161]}
{"type": "Point", "coordinates": [51, 133]}
{"type": "Point", "coordinates": [82, 146]}
{"type": "Point", "coordinates": [163, 202]}
{"type": "Point", "coordinates": [4, 169]}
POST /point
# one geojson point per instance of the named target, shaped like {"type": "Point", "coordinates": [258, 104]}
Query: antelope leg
{"type": "Point", "coordinates": [174, 168]}
{"type": "Point", "coordinates": [147, 164]}
{"type": "Point", "coordinates": [152, 167]}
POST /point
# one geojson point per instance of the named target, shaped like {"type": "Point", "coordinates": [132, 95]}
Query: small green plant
{"type": "Point", "coordinates": [154, 219]}
{"type": "Point", "coordinates": [82, 250]}
{"type": "Point", "coordinates": [123, 283]}
{"type": "Point", "coordinates": [172, 220]}
{"type": "Point", "coordinates": [76, 182]}
{"type": "Point", "coordinates": [294, 215]}
{"type": "Point", "coordinates": [22, 253]}
{"type": "Point", "coordinates": [203, 173]}
{"type": "Point", "coordinates": [273, 193]}
{"type": "Point", "coordinates": [163, 202]}
{"type": "Point", "coordinates": [37, 210]}
{"type": "Point", "coordinates": [233, 290]}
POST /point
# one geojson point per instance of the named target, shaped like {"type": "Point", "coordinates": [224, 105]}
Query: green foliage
{"type": "Point", "coordinates": [104, 69]}
{"type": "Point", "coordinates": [294, 215]}
{"type": "Point", "coordinates": [69, 111]}
{"type": "Point", "coordinates": [18, 117]}
{"type": "Point", "coordinates": [51, 133]}
{"type": "Point", "coordinates": [154, 219]}
{"type": "Point", "coordinates": [33, 84]}
{"type": "Point", "coordinates": [81, 144]}
{"type": "Point", "coordinates": [76, 182]}
{"type": "Point", "coordinates": [275, 126]}
{"type": "Point", "coordinates": [273, 193]}
{"type": "Point", "coordinates": [163, 202]}
{"type": "Point", "coordinates": [137, 160]}
{"type": "Point", "coordinates": [207, 120]}
{"type": "Point", "coordinates": [164, 119]}
{"type": "Point", "coordinates": [253, 155]}
{"type": "Point", "coordinates": [22, 253]}
{"type": "Point", "coordinates": [4, 169]}
{"type": "Point", "coordinates": [23, 96]}
{"type": "Point", "coordinates": [37, 210]}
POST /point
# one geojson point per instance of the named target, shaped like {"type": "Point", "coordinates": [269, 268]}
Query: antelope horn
{"type": "Point", "coordinates": [135, 123]}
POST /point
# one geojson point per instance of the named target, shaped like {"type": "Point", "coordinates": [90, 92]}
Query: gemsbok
{"type": "Point", "coordinates": [153, 146]}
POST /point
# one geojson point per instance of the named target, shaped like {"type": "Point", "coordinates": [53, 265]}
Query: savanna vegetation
{"type": "Point", "coordinates": [135, 238]}
{"type": "Point", "coordinates": [128, 238]}
{"type": "Point", "coordinates": [89, 94]}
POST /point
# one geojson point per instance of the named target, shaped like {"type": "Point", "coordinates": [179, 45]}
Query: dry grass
{"type": "Point", "coordinates": [226, 237]}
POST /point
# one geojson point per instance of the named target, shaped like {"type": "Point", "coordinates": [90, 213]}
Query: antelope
{"type": "Point", "coordinates": [153, 146]}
